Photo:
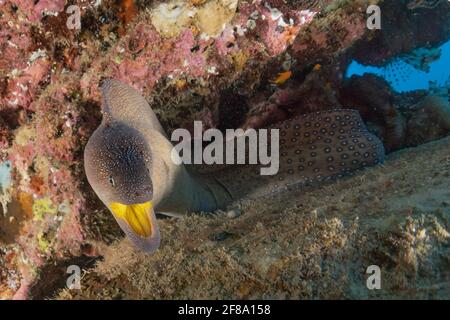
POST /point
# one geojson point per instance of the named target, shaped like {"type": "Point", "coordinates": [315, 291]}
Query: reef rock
{"type": "Point", "coordinates": [429, 122]}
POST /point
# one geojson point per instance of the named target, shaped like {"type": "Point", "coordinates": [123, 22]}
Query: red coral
{"type": "Point", "coordinates": [36, 9]}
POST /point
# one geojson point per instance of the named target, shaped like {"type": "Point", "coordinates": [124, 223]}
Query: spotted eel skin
{"type": "Point", "coordinates": [313, 148]}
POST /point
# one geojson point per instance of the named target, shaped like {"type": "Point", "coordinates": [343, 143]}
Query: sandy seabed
{"type": "Point", "coordinates": [310, 243]}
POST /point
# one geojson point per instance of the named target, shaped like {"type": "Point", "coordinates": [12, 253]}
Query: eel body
{"type": "Point", "coordinates": [312, 148]}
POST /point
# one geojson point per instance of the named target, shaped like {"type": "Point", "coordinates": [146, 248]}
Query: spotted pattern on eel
{"type": "Point", "coordinates": [313, 148]}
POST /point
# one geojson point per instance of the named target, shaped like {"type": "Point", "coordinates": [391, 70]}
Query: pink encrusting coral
{"type": "Point", "coordinates": [167, 57]}
{"type": "Point", "coordinates": [22, 89]}
{"type": "Point", "coordinates": [35, 10]}
{"type": "Point", "coordinates": [142, 57]}
{"type": "Point", "coordinates": [24, 68]}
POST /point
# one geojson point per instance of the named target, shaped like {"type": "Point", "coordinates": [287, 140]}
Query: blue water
{"type": "Point", "coordinates": [5, 175]}
{"type": "Point", "coordinates": [404, 77]}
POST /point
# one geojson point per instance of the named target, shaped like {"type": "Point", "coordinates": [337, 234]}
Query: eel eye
{"type": "Point", "coordinates": [111, 181]}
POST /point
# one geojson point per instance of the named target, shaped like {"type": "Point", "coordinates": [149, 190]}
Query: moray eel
{"type": "Point", "coordinates": [128, 163]}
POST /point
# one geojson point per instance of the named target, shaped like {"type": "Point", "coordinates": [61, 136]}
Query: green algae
{"type": "Point", "coordinates": [41, 207]}
{"type": "Point", "coordinates": [43, 243]}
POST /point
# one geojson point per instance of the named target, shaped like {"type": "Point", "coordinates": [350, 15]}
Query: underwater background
{"type": "Point", "coordinates": [229, 64]}
{"type": "Point", "coordinates": [421, 69]}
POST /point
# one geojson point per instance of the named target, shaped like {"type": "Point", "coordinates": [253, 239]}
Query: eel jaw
{"type": "Point", "coordinates": [138, 221]}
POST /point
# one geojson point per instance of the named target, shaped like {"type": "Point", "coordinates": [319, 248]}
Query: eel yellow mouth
{"type": "Point", "coordinates": [137, 216]}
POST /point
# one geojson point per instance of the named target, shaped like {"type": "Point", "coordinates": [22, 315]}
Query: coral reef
{"type": "Point", "coordinates": [430, 120]}
{"type": "Point", "coordinates": [255, 63]}
{"type": "Point", "coordinates": [373, 98]}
